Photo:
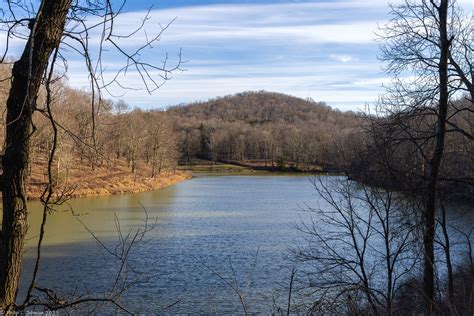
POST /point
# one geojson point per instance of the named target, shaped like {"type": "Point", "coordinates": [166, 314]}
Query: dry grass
{"type": "Point", "coordinates": [115, 177]}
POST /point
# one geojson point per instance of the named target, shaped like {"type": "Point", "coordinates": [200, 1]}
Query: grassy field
{"type": "Point", "coordinates": [207, 166]}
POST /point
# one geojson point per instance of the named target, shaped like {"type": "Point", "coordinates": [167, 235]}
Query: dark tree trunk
{"type": "Point", "coordinates": [447, 252]}
{"type": "Point", "coordinates": [430, 204]}
{"type": "Point", "coordinates": [27, 76]}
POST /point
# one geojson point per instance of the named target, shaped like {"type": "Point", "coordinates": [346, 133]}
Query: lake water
{"type": "Point", "coordinates": [214, 235]}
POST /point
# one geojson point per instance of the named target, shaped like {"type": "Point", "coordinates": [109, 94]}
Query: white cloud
{"type": "Point", "coordinates": [15, 45]}
{"type": "Point", "coordinates": [353, 97]}
{"type": "Point", "coordinates": [342, 58]}
{"type": "Point", "coordinates": [326, 84]}
{"type": "Point", "coordinates": [322, 49]}
{"type": "Point", "coordinates": [319, 22]}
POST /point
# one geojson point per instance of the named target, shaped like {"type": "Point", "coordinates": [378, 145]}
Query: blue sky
{"type": "Point", "coordinates": [321, 49]}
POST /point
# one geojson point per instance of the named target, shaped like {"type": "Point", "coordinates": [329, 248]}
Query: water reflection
{"type": "Point", "coordinates": [236, 226]}
{"type": "Point", "coordinates": [97, 213]}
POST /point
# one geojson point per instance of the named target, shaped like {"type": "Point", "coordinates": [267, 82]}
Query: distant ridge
{"type": "Point", "coordinates": [264, 127]}
{"type": "Point", "coordinates": [259, 107]}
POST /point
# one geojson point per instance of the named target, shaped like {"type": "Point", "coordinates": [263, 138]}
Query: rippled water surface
{"type": "Point", "coordinates": [208, 229]}
{"type": "Point", "coordinates": [213, 235]}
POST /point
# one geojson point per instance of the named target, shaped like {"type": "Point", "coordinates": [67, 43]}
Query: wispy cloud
{"type": "Point", "coordinates": [342, 58]}
{"type": "Point", "coordinates": [319, 49]}
{"type": "Point", "coordinates": [324, 50]}
{"type": "Point", "coordinates": [332, 22]}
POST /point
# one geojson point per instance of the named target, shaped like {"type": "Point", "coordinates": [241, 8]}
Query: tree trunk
{"type": "Point", "coordinates": [447, 252]}
{"type": "Point", "coordinates": [27, 74]}
{"type": "Point", "coordinates": [430, 204]}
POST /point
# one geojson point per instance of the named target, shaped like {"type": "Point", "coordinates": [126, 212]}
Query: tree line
{"type": "Point", "coordinates": [392, 150]}
{"type": "Point", "coordinates": [114, 131]}
{"type": "Point", "coordinates": [272, 128]}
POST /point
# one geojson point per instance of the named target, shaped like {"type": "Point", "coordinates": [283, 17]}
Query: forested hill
{"type": "Point", "coordinates": [261, 126]}
{"type": "Point", "coordinates": [257, 108]}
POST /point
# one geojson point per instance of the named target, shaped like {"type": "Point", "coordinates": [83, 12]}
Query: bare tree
{"type": "Point", "coordinates": [361, 245]}
{"type": "Point", "coordinates": [27, 74]}
{"type": "Point", "coordinates": [47, 28]}
{"type": "Point", "coordinates": [428, 41]}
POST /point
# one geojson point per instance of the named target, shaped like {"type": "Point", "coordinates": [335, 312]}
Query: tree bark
{"type": "Point", "coordinates": [447, 252]}
{"type": "Point", "coordinates": [27, 74]}
{"type": "Point", "coordinates": [430, 204]}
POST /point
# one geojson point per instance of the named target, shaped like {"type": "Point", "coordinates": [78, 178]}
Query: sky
{"type": "Point", "coordinates": [325, 49]}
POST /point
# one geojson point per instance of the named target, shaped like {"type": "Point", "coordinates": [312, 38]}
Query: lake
{"type": "Point", "coordinates": [214, 236]}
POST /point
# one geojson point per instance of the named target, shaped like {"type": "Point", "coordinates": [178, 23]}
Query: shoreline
{"type": "Point", "coordinates": [150, 184]}
{"type": "Point", "coordinates": [237, 167]}
{"type": "Point", "coordinates": [78, 180]}
{"type": "Point", "coordinates": [116, 179]}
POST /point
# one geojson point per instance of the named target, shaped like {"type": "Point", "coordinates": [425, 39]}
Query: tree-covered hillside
{"type": "Point", "coordinates": [262, 126]}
